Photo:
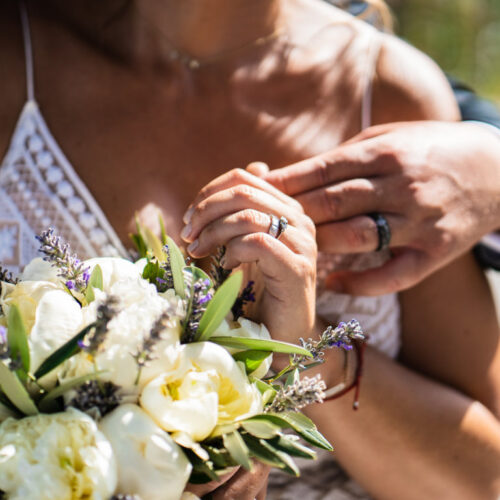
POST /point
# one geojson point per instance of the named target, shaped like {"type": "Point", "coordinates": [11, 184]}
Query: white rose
{"type": "Point", "coordinates": [205, 388]}
{"type": "Point", "coordinates": [140, 306]}
{"type": "Point", "coordinates": [150, 464]}
{"type": "Point", "coordinates": [61, 456]}
{"type": "Point", "coordinates": [247, 329]}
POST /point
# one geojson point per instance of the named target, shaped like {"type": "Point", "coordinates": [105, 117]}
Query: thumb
{"type": "Point", "coordinates": [397, 274]}
{"type": "Point", "coordinates": [258, 168]}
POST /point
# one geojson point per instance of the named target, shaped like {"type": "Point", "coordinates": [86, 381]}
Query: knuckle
{"type": "Point", "coordinates": [238, 174]}
{"type": "Point", "coordinates": [358, 237]}
{"type": "Point", "coordinates": [242, 192]}
{"type": "Point", "coordinates": [322, 172]}
{"type": "Point", "coordinates": [331, 202]}
{"type": "Point", "coordinates": [253, 218]}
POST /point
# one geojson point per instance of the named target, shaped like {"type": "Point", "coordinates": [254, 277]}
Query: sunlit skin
{"type": "Point", "coordinates": [144, 131]}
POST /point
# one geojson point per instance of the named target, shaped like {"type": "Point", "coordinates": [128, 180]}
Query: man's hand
{"type": "Point", "coordinates": [437, 184]}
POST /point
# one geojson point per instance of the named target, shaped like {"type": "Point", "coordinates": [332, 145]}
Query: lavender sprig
{"type": "Point", "coordinates": [6, 276]}
{"type": "Point", "coordinates": [4, 345]}
{"type": "Point", "coordinates": [298, 395]}
{"type": "Point", "coordinates": [166, 281]}
{"type": "Point", "coordinates": [247, 295]}
{"type": "Point", "coordinates": [145, 353]}
{"type": "Point", "coordinates": [342, 336]}
{"type": "Point", "coordinates": [95, 394]}
{"type": "Point", "coordinates": [198, 295]}
{"type": "Point", "coordinates": [217, 271]}
{"type": "Point", "coordinates": [120, 497]}
{"type": "Point", "coordinates": [105, 313]}
{"type": "Point", "coordinates": [59, 255]}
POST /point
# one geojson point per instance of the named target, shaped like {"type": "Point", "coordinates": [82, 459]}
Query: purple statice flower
{"type": "Point", "coordinates": [246, 296]}
{"type": "Point", "coordinates": [297, 395]}
{"type": "Point", "coordinates": [96, 336]}
{"type": "Point", "coordinates": [217, 271]}
{"type": "Point", "coordinates": [199, 294]}
{"type": "Point", "coordinates": [59, 254]}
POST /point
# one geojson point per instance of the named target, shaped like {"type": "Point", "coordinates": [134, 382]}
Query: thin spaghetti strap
{"type": "Point", "coordinates": [28, 51]}
{"type": "Point", "coordinates": [371, 69]}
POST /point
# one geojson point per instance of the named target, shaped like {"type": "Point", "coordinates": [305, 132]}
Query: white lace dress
{"type": "Point", "coordinates": [39, 188]}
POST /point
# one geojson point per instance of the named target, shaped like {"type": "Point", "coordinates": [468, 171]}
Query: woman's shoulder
{"type": "Point", "coordinates": [13, 84]}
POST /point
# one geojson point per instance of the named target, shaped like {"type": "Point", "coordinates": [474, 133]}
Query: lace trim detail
{"type": "Point", "coordinates": [40, 189]}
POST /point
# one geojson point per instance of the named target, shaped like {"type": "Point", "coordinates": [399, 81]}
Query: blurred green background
{"type": "Point", "coordinates": [463, 36]}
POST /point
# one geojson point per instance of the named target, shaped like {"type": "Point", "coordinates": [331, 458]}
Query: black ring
{"type": "Point", "coordinates": [383, 230]}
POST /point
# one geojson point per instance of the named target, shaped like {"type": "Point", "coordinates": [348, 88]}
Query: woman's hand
{"type": "Point", "coordinates": [233, 210]}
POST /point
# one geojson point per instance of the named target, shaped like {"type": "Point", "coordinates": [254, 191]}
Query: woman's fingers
{"type": "Point", "coordinates": [234, 178]}
{"type": "Point", "coordinates": [247, 221]}
{"type": "Point", "coordinates": [245, 485]}
{"type": "Point", "coordinates": [233, 200]}
{"type": "Point", "coordinates": [358, 235]}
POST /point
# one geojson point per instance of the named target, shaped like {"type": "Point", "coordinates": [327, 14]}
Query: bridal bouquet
{"type": "Point", "coordinates": [123, 380]}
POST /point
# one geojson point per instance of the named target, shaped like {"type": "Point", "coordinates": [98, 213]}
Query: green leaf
{"type": "Point", "coordinates": [220, 457]}
{"type": "Point", "coordinates": [154, 244]}
{"type": "Point", "coordinates": [264, 452]}
{"type": "Point", "coordinates": [259, 344]}
{"type": "Point", "coordinates": [292, 447]}
{"type": "Point", "coordinates": [251, 359]}
{"type": "Point", "coordinates": [15, 391]}
{"type": "Point", "coordinates": [293, 377]}
{"type": "Point", "coordinates": [237, 448]}
{"type": "Point", "coordinates": [260, 428]}
{"type": "Point", "coordinates": [18, 339]}
{"type": "Point", "coordinates": [219, 307]}
{"type": "Point", "coordinates": [267, 390]}
{"type": "Point", "coordinates": [66, 351]}
{"type": "Point", "coordinates": [151, 271]}
{"type": "Point", "coordinates": [95, 281]}
{"type": "Point", "coordinates": [177, 264]}
{"type": "Point", "coordinates": [63, 388]}
{"type": "Point", "coordinates": [162, 228]}
{"type": "Point", "coordinates": [299, 423]}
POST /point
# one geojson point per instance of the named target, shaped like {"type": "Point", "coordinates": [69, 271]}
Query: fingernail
{"type": "Point", "coordinates": [191, 248]}
{"type": "Point", "coordinates": [187, 216]}
{"type": "Point", "coordinates": [186, 232]}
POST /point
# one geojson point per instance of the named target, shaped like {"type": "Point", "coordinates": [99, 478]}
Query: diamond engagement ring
{"type": "Point", "coordinates": [274, 226]}
{"type": "Point", "coordinates": [383, 230]}
{"type": "Point", "coordinates": [282, 225]}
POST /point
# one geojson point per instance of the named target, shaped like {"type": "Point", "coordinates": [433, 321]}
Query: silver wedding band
{"type": "Point", "coordinates": [383, 230]}
{"type": "Point", "coordinates": [277, 226]}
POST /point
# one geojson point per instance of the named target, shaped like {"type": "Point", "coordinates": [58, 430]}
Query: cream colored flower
{"type": "Point", "coordinates": [205, 388]}
{"type": "Point", "coordinates": [246, 329]}
{"type": "Point", "coordinates": [61, 456]}
{"type": "Point", "coordinates": [41, 270]}
{"type": "Point", "coordinates": [150, 464]}
{"type": "Point", "coordinates": [114, 269]}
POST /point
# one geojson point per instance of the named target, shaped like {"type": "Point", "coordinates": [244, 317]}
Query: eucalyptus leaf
{"type": "Point", "coordinates": [95, 281]}
{"type": "Point", "coordinates": [301, 424]}
{"type": "Point", "coordinates": [293, 377]}
{"type": "Point", "coordinates": [219, 307]}
{"type": "Point", "coordinates": [251, 359]}
{"type": "Point", "coordinates": [177, 264]}
{"type": "Point", "coordinates": [259, 344]}
{"type": "Point", "coordinates": [18, 338]}
{"type": "Point", "coordinates": [260, 428]}
{"type": "Point", "coordinates": [234, 444]}
{"type": "Point", "coordinates": [265, 453]}
{"type": "Point", "coordinates": [220, 457]}
{"type": "Point", "coordinates": [67, 386]}
{"type": "Point", "coordinates": [66, 351]}
{"type": "Point", "coordinates": [162, 229]}
{"type": "Point", "coordinates": [292, 447]}
{"type": "Point", "coordinates": [16, 392]}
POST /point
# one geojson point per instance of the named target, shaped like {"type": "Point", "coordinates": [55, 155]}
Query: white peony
{"type": "Point", "coordinates": [40, 270]}
{"type": "Point", "coordinates": [61, 456]}
{"type": "Point", "coordinates": [140, 306]}
{"type": "Point", "coordinates": [150, 464]}
{"type": "Point", "coordinates": [204, 388]}
{"type": "Point", "coordinates": [113, 270]}
{"type": "Point", "coordinates": [248, 329]}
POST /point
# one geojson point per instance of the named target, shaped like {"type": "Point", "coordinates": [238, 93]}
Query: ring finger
{"type": "Point", "coordinates": [234, 200]}
{"type": "Point", "coordinates": [358, 235]}
{"type": "Point", "coordinates": [247, 221]}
